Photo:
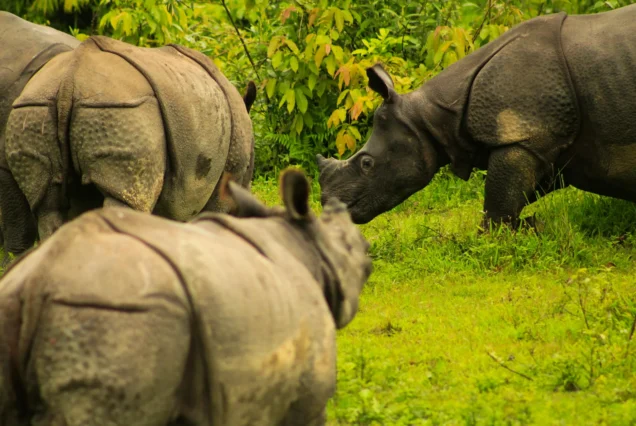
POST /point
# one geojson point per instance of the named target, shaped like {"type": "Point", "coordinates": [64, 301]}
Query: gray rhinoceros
{"type": "Point", "coordinates": [110, 124]}
{"type": "Point", "coordinates": [124, 318]}
{"type": "Point", "coordinates": [24, 48]}
{"type": "Point", "coordinates": [553, 95]}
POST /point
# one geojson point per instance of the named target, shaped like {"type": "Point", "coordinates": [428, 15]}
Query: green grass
{"type": "Point", "coordinates": [457, 327]}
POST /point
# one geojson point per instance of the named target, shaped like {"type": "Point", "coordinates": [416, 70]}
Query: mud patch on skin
{"type": "Point", "coordinates": [510, 127]}
{"type": "Point", "coordinates": [204, 165]}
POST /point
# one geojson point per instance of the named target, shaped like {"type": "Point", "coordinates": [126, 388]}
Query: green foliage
{"type": "Point", "coordinates": [308, 56]}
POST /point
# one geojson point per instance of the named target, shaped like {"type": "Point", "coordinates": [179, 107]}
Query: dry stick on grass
{"type": "Point", "coordinates": [502, 364]}
{"type": "Point", "coordinates": [229, 15]}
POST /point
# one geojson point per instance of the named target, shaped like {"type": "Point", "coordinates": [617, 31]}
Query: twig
{"type": "Point", "coordinates": [582, 305]}
{"type": "Point", "coordinates": [229, 15]}
{"type": "Point", "coordinates": [501, 363]}
{"type": "Point", "coordinates": [631, 334]}
{"type": "Point", "coordinates": [486, 17]}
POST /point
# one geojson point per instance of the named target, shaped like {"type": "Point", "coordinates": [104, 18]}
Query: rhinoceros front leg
{"type": "Point", "coordinates": [514, 175]}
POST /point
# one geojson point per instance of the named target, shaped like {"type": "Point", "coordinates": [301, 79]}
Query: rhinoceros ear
{"type": "Point", "coordinates": [244, 204]}
{"type": "Point", "coordinates": [250, 95]}
{"type": "Point", "coordinates": [380, 81]}
{"type": "Point", "coordinates": [295, 194]}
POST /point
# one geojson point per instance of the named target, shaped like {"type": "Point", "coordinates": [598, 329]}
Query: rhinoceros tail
{"type": "Point", "coordinates": [64, 108]}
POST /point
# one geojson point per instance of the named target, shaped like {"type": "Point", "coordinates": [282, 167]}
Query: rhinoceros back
{"type": "Point", "coordinates": [197, 119]}
{"type": "Point", "coordinates": [262, 327]}
{"type": "Point", "coordinates": [601, 53]}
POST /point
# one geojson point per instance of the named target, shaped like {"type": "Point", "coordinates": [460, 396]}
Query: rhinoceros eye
{"type": "Point", "coordinates": [366, 163]}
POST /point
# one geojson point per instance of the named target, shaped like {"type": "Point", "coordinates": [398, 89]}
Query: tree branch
{"type": "Point", "coordinates": [486, 18]}
{"type": "Point", "coordinates": [229, 15]}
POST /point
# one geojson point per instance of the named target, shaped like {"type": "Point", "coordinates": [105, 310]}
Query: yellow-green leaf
{"type": "Point", "coordinates": [301, 100]}
{"type": "Point", "coordinates": [292, 46]}
{"type": "Point", "coordinates": [339, 17]}
{"type": "Point", "coordinates": [354, 132]}
{"type": "Point", "coordinates": [291, 100]}
{"type": "Point", "coordinates": [127, 24]}
{"type": "Point", "coordinates": [334, 119]}
{"type": "Point", "coordinates": [293, 63]}
{"type": "Point", "coordinates": [342, 114]}
{"type": "Point", "coordinates": [342, 96]}
{"type": "Point", "coordinates": [320, 54]}
{"type": "Point", "coordinates": [330, 61]}
{"type": "Point", "coordinates": [340, 143]}
{"type": "Point", "coordinates": [270, 88]}
{"type": "Point", "coordinates": [350, 142]}
{"type": "Point", "coordinates": [299, 123]}
{"type": "Point", "coordinates": [311, 81]}
{"type": "Point", "coordinates": [323, 39]}
{"type": "Point", "coordinates": [273, 46]}
{"type": "Point", "coordinates": [277, 59]}
{"type": "Point", "coordinates": [337, 52]}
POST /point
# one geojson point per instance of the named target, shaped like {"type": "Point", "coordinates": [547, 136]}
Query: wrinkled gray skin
{"type": "Point", "coordinates": [124, 318]}
{"type": "Point", "coordinates": [554, 94]}
{"type": "Point", "coordinates": [111, 124]}
{"type": "Point", "coordinates": [24, 48]}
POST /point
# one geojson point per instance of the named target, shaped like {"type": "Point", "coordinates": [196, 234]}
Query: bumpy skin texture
{"type": "Point", "coordinates": [234, 318]}
{"type": "Point", "coordinates": [24, 49]}
{"type": "Point", "coordinates": [151, 129]}
{"type": "Point", "coordinates": [548, 104]}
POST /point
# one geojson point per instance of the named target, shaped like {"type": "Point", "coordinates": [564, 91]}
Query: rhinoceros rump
{"type": "Point", "coordinates": [126, 318]}
{"type": "Point", "coordinates": [151, 129]}
{"type": "Point", "coordinates": [552, 98]}
{"type": "Point", "coordinates": [24, 48]}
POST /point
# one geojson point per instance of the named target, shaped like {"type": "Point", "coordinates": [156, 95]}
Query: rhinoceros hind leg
{"type": "Point", "coordinates": [514, 176]}
{"type": "Point", "coordinates": [105, 366]}
{"type": "Point", "coordinates": [18, 224]}
{"type": "Point", "coordinates": [51, 212]}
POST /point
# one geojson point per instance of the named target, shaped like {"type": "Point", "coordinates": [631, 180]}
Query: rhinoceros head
{"type": "Point", "coordinates": [398, 160]}
{"type": "Point", "coordinates": [332, 245]}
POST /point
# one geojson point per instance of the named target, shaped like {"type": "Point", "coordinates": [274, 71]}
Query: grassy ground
{"type": "Point", "coordinates": [457, 327]}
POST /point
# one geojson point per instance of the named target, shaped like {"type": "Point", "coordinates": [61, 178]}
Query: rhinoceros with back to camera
{"type": "Point", "coordinates": [125, 318]}
{"type": "Point", "coordinates": [108, 123]}
{"type": "Point", "coordinates": [550, 103]}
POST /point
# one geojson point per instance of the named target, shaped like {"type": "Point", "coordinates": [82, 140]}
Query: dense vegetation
{"type": "Point", "coordinates": [455, 327]}
{"type": "Point", "coordinates": [308, 56]}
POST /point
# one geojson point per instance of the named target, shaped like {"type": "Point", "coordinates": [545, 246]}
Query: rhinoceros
{"type": "Point", "coordinates": [24, 48]}
{"type": "Point", "coordinates": [550, 103]}
{"type": "Point", "coordinates": [113, 124]}
{"type": "Point", "coordinates": [126, 318]}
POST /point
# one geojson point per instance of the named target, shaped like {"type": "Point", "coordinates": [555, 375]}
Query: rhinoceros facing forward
{"type": "Point", "coordinates": [553, 95]}
{"type": "Point", "coordinates": [108, 122]}
{"type": "Point", "coordinates": [123, 318]}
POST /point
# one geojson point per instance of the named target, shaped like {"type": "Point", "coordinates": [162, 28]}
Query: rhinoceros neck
{"type": "Point", "coordinates": [276, 239]}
